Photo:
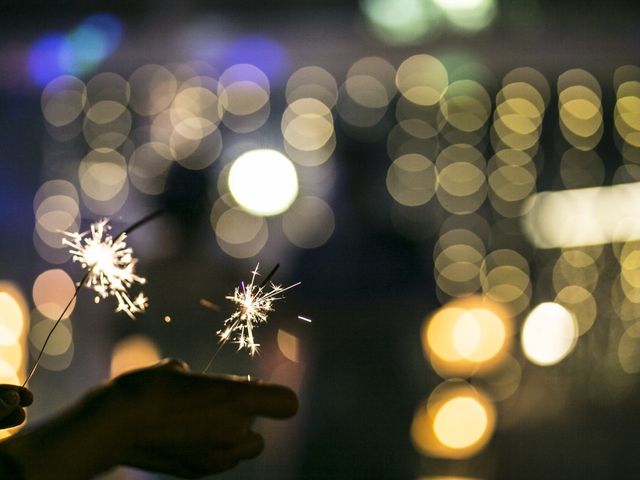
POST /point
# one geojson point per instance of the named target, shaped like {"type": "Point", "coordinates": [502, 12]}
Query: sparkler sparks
{"type": "Point", "coordinates": [110, 264]}
{"type": "Point", "coordinates": [254, 303]}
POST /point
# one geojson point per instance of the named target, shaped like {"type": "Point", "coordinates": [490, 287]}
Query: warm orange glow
{"type": "Point", "coordinates": [456, 422]}
{"type": "Point", "coordinates": [467, 335]}
{"type": "Point", "coordinates": [133, 352]}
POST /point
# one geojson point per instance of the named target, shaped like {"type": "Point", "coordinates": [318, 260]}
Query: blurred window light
{"type": "Point", "coordinates": [468, 15]}
{"type": "Point", "coordinates": [587, 216]}
{"type": "Point", "coordinates": [263, 182]}
{"type": "Point", "coordinates": [401, 21]}
{"type": "Point", "coordinates": [549, 334]}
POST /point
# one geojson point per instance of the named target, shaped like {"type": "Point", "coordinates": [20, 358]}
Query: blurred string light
{"type": "Point", "coordinates": [456, 422]}
{"type": "Point", "coordinates": [549, 334]}
{"type": "Point", "coordinates": [14, 328]}
{"type": "Point", "coordinates": [77, 52]}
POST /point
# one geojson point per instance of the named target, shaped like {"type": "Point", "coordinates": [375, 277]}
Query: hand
{"type": "Point", "coordinates": [12, 400]}
{"type": "Point", "coordinates": [195, 424]}
{"type": "Point", "coordinates": [162, 419]}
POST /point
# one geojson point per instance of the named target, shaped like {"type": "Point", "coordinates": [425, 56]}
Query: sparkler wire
{"type": "Point", "coordinates": [130, 229]}
{"type": "Point", "coordinates": [75, 294]}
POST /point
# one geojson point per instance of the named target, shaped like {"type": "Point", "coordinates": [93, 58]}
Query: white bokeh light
{"type": "Point", "coordinates": [549, 334]}
{"type": "Point", "coordinates": [263, 182]}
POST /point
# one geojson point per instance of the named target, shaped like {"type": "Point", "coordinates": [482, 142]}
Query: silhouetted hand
{"type": "Point", "coordinates": [163, 419]}
{"type": "Point", "coordinates": [12, 400]}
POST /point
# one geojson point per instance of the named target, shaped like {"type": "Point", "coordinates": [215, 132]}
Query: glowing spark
{"type": "Point", "coordinates": [305, 319]}
{"type": "Point", "coordinates": [110, 264]}
{"type": "Point", "coordinates": [254, 303]}
{"type": "Point", "coordinates": [209, 304]}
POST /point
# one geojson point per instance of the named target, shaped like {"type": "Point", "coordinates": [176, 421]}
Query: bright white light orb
{"type": "Point", "coordinates": [549, 334]}
{"type": "Point", "coordinates": [263, 182]}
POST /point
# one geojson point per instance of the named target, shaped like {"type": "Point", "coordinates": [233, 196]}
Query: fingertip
{"type": "Point", "coordinates": [26, 396]}
{"type": "Point", "coordinates": [173, 364]}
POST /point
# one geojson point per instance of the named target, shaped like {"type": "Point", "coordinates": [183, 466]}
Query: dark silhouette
{"type": "Point", "coordinates": [163, 419]}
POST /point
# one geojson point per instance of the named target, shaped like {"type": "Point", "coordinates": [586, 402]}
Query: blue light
{"type": "Point", "coordinates": [45, 58]}
{"type": "Point", "coordinates": [261, 51]}
{"type": "Point", "coordinates": [76, 53]}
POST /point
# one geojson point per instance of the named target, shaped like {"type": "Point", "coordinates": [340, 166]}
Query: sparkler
{"type": "Point", "coordinates": [110, 270]}
{"type": "Point", "coordinates": [111, 265]}
{"type": "Point", "coordinates": [253, 303]}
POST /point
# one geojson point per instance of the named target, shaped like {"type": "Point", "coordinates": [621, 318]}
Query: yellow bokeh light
{"type": "Point", "coordinates": [307, 124]}
{"type": "Point", "coordinates": [312, 82]}
{"type": "Point", "coordinates": [288, 345]}
{"type": "Point", "coordinates": [467, 335]}
{"type": "Point", "coordinates": [263, 182]}
{"type": "Point", "coordinates": [12, 318]}
{"type": "Point", "coordinates": [549, 334]}
{"type": "Point", "coordinates": [133, 352]}
{"type": "Point", "coordinates": [460, 422]}
{"type": "Point", "coordinates": [411, 179]}
{"type": "Point", "coordinates": [63, 100]}
{"type": "Point", "coordinates": [456, 422]}
{"type": "Point", "coordinates": [153, 88]}
{"type": "Point", "coordinates": [52, 291]}
{"type": "Point", "coordinates": [422, 79]}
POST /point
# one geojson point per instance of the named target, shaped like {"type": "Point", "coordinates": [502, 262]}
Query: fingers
{"type": "Point", "coordinates": [25, 397]}
{"type": "Point", "coordinates": [9, 401]}
{"type": "Point", "coordinates": [15, 418]}
{"type": "Point", "coordinates": [273, 401]}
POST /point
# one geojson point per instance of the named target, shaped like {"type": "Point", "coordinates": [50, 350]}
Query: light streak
{"type": "Point", "coordinates": [111, 266]}
{"type": "Point", "coordinates": [254, 303]}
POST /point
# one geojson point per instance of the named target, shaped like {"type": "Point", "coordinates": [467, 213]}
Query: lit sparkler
{"type": "Point", "coordinates": [254, 303]}
{"type": "Point", "coordinates": [110, 264]}
{"type": "Point", "coordinates": [110, 270]}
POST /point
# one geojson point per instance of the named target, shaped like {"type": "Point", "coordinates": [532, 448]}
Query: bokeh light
{"type": "Point", "coordinates": [466, 336]}
{"type": "Point", "coordinates": [456, 422]}
{"type": "Point", "coordinates": [133, 352]}
{"type": "Point", "coordinates": [549, 334]}
{"type": "Point", "coordinates": [263, 182]}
